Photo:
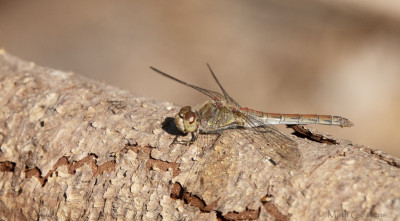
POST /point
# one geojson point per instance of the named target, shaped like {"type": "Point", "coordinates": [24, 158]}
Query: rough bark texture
{"type": "Point", "coordinates": [76, 149]}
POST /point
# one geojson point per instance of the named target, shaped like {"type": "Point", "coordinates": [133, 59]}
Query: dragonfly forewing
{"type": "Point", "coordinates": [268, 141]}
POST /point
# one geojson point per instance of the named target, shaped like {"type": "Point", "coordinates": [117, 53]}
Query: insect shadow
{"type": "Point", "coordinates": [169, 126]}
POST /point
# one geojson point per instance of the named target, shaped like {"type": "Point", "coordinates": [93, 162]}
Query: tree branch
{"type": "Point", "coordinates": [78, 149]}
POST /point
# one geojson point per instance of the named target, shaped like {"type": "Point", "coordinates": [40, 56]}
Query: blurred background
{"type": "Point", "coordinates": [326, 57]}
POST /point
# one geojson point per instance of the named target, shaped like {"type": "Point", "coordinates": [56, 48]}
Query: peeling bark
{"type": "Point", "coordinates": [77, 149]}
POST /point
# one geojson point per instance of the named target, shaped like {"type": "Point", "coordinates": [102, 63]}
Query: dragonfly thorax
{"type": "Point", "coordinates": [186, 120]}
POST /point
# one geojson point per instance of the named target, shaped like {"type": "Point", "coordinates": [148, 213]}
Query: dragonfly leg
{"type": "Point", "coordinates": [174, 141]}
{"type": "Point", "coordinates": [194, 138]}
{"type": "Point", "coordinates": [219, 135]}
{"type": "Point", "coordinates": [181, 142]}
{"type": "Point", "coordinates": [195, 135]}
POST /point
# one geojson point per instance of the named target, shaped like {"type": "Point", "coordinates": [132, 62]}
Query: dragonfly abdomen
{"type": "Point", "coordinates": [276, 118]}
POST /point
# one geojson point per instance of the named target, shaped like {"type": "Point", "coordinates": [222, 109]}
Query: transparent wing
{"type": "Point", "coordinates": [213, 94]}
{"type": "Point", "coordinates": [228, 98]}
{"type": "Point", "coordinates": [271, 143]}
{"type": "Point", "coordinates": [268, 141]}
{"type": "Point", "coordinates": [274, 145]}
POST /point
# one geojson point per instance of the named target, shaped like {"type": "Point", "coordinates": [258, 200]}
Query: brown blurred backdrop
{"type": "Point", "coordinates": [336, 57]}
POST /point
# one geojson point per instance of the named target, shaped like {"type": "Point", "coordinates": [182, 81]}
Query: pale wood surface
{"type": "Point", "coordinates": [75, 149]}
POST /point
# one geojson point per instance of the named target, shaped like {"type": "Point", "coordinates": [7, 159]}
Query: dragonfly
{"type": "Point", "coordinates": [222, 113]}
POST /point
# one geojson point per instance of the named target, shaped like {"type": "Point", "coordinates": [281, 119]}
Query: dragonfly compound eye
{"type": "Point", "coordinates": [190, 122]}
{"type": "Point", "coordinates": [190, 117]}
{"type": "Point", "coordinates": [185, 109]}
{"type": "Point", "coordinates": [179, 122]}
{"type": "Point", "coordinates": [185, 120]}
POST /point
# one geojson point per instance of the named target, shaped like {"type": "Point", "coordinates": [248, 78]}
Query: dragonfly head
{"type": "Point", "coordinates": [186, 120]}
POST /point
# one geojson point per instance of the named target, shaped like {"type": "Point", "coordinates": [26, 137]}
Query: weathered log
{"type": "Point", "coordinates": [75, 149]}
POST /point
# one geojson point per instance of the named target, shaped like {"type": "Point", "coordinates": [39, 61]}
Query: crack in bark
{"type": "Point", "coordinates": [7, 166]}
{"type": "Point", "coordinates": [163, 166]}
{"type": "Point", "coordinates": [380, 155]}
{"type": "Point", "coordinates": [245, 215]}
{"type": "Point", "coordinates": [178, 192]}
{"type": "Point", "coordinates": [72, 167]}
{"type": "Point", "coordinates": [151, 162]}
{"type": "Point", "coordinates": [274, 211]}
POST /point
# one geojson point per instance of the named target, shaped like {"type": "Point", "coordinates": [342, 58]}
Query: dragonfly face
{"type": "Point", "coordinates": [186, 120]}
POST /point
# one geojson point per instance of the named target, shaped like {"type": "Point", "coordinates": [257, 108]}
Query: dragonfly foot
{"type": "Point", "coordinates": [182, 142]}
